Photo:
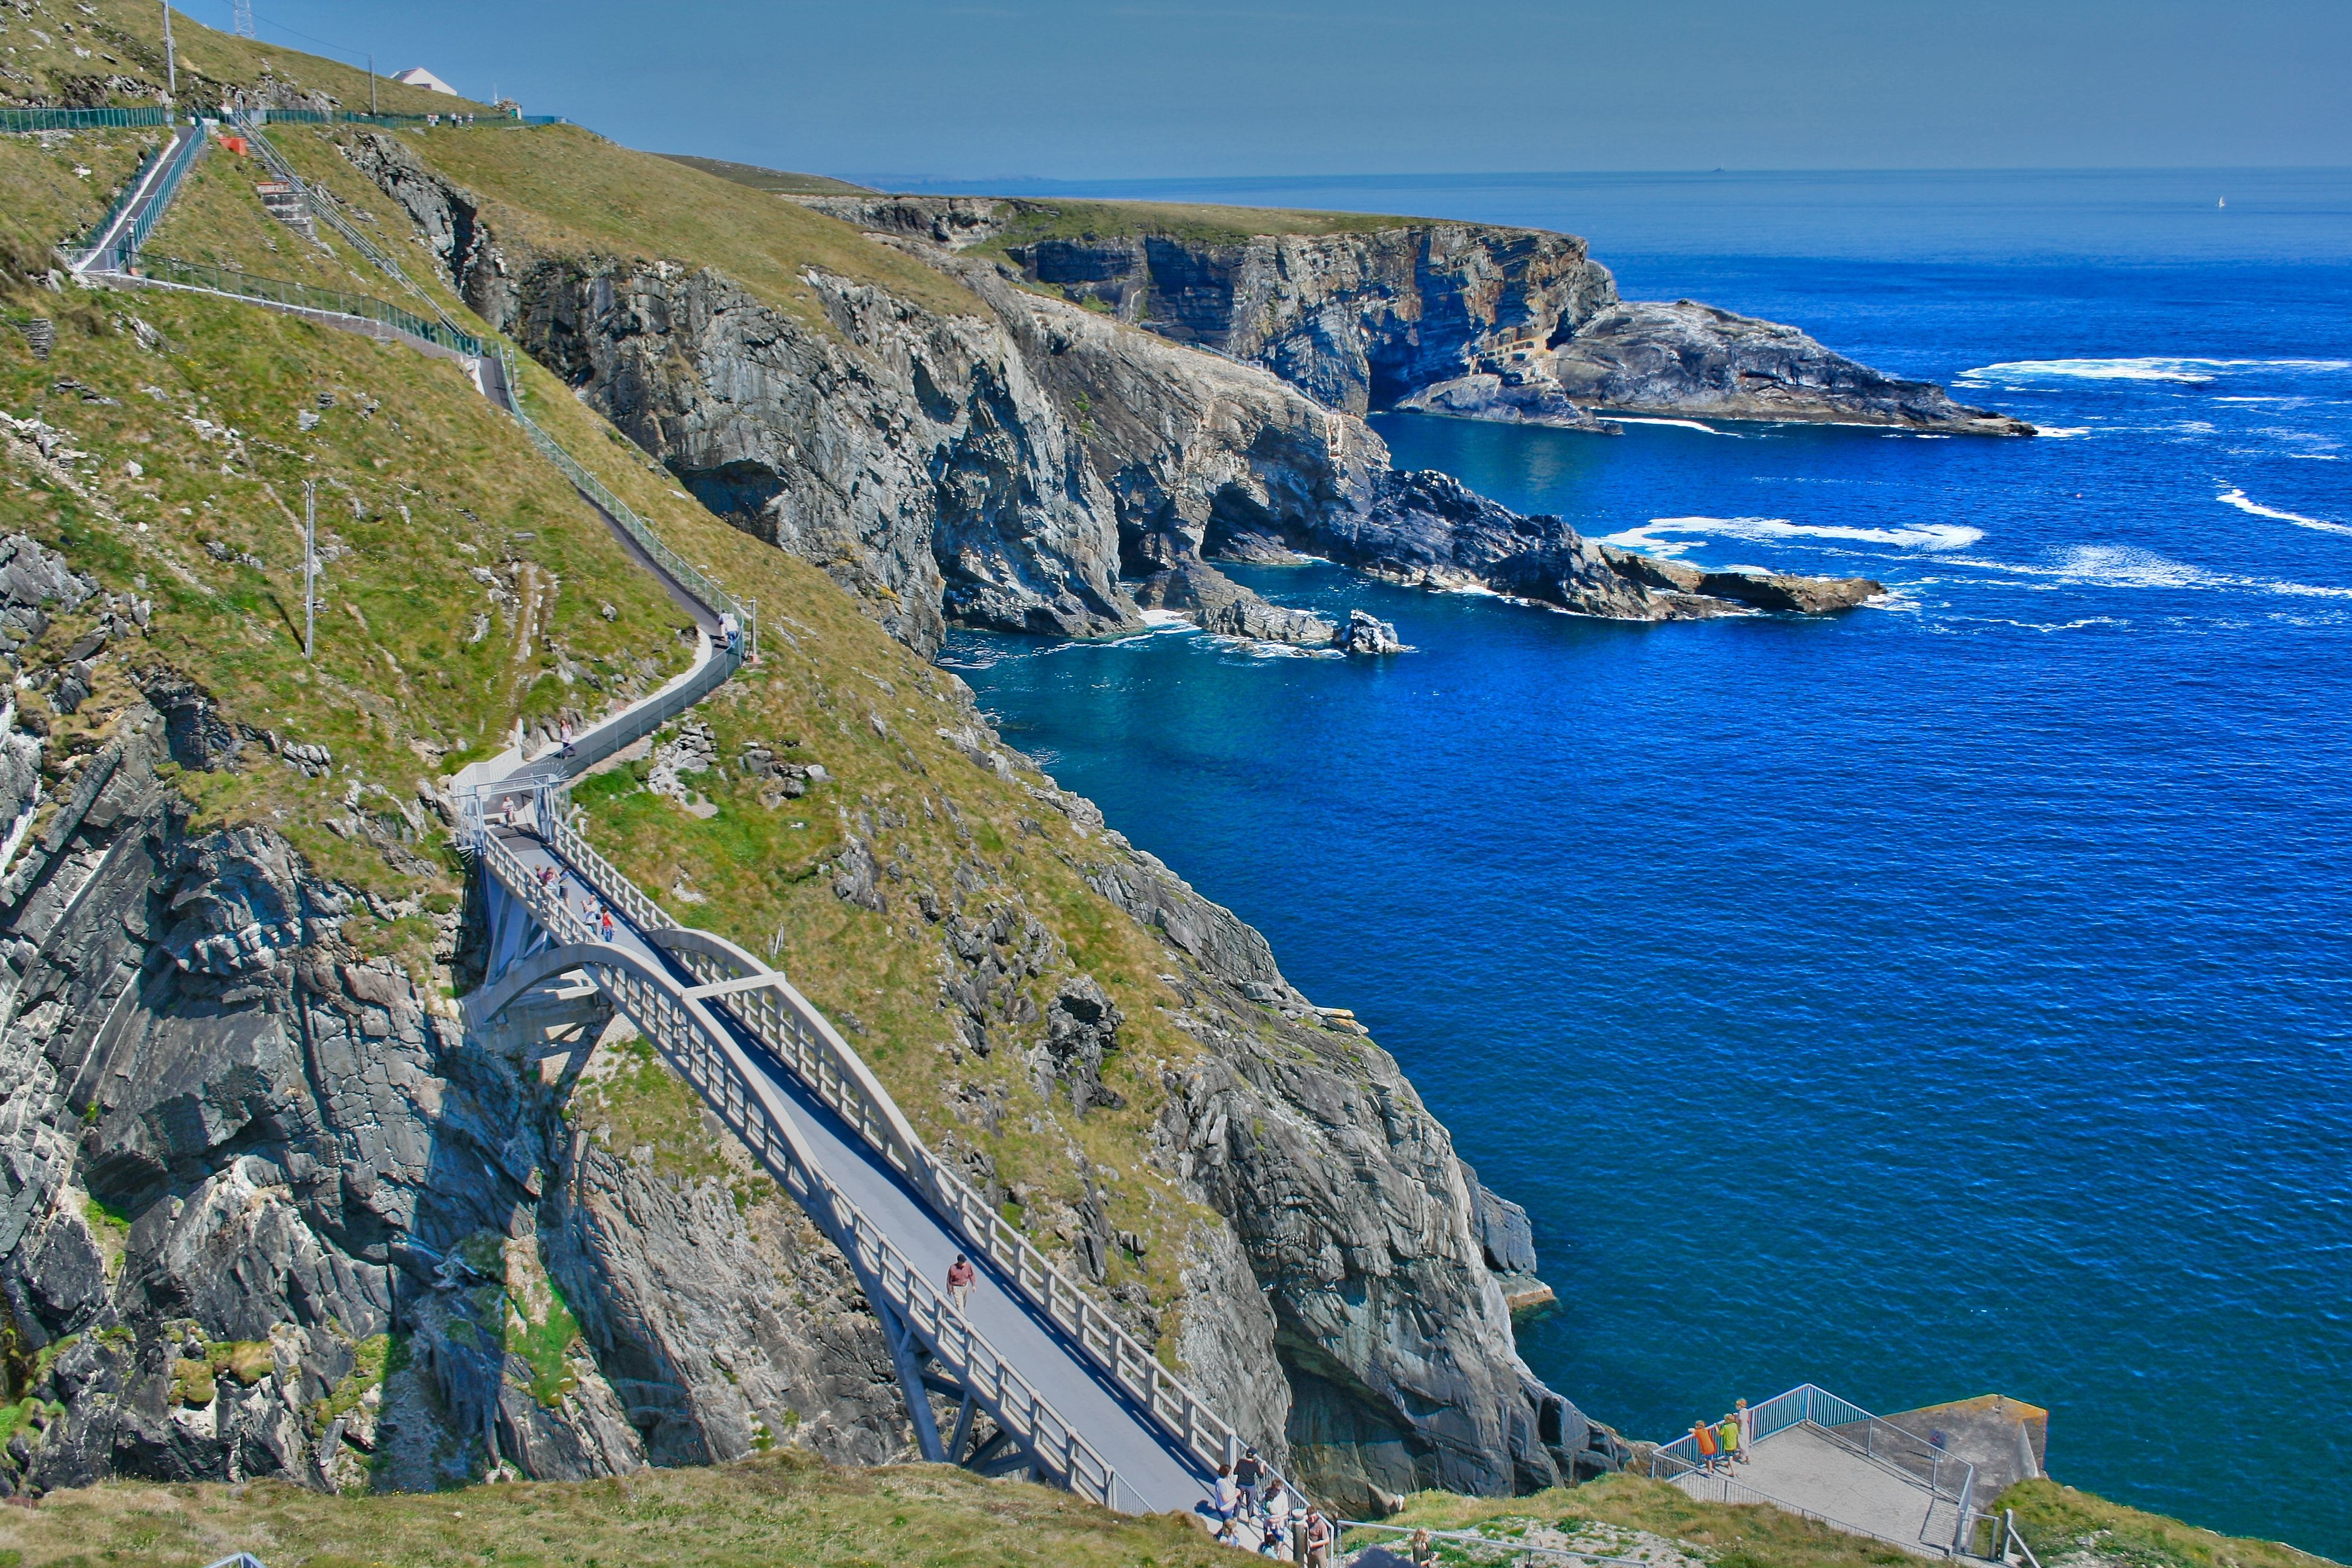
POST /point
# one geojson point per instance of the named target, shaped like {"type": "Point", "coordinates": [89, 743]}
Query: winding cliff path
{"type": "Point", "coordinates": [1071, 1397]}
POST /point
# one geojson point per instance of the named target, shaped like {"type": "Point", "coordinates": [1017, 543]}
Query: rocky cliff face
{"type": "Point", "coordinates": [1010, 469]}
{"type": "Point", "coordinates": [267, 1208]}
{"type": "Point", "coordinates": [1476, 321]}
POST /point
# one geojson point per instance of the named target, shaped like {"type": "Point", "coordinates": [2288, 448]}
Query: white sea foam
{"type": "Point", "coordinates": [2124, 566]}
{"type": "Point", "coordinates": [2237, 497]}
{"type": "Point", "coordinates": [1168, 621]}
{"type": "Point", "coordinates": [2063, 432]}
{"type": "Point", "coordinates": [1769, 530]}
{"type": "Point", "coordinates": [1676, 424]}
{"type": "Point", "coordinates": [2193, 372]}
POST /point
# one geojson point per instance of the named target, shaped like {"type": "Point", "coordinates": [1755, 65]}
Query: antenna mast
{"type": "Point", "coordinates": [241, 17]}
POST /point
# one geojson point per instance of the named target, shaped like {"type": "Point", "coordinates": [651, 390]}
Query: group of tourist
{"type": "Point", "coordinates": [1253, 1512]}
{"type": "Point", "coordinates": [1724, 1442]}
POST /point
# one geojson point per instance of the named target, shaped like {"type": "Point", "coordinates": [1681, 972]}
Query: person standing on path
{"type": "Point", "coordinates": [960, 1278]}
{"type": "Point", "coordinates": [1423, 1551]}
{"type": "Point", "coordinates": [1702, 1442]}
{"type": "Point", "coordinates": [1747, 1427]}
{"type": "Point", "coordinates": [1229, 1495]}
{"type": "Point", "coordinates": [1318, 1539]}
{"type": "Point", "coordinates": [1249, 1473]}
{"type": "Point", "coordinates": [1727, 1435]}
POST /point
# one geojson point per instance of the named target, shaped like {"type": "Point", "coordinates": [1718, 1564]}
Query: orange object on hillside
{"type": "Point", "coordinates": [237, 144]}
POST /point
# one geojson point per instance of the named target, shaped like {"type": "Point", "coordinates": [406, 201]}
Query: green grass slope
{"type": "Point", "coordinates": [1195, 224]}
{"type": "Point", "coordinates": [565, 190]}
{"type": "Point", "coordinates": [782, 1509]}
{"type": "Point", "coordinates": [87, 54]}
{"type": "Point", "coordinates": [777, 181]}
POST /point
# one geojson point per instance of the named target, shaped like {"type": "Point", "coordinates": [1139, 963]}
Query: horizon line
{"type": "Point", "coordinates": [902, 180]}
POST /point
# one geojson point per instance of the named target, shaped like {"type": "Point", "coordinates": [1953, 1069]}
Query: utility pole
{"type": "Point", "coordinates": [372, 83]}
{"type": "Point", "coordinates": [309, 562]}
{"type": "Point", "coordinates": [241, 17]}
{"type": "Point", "coordinates": [171, 60]}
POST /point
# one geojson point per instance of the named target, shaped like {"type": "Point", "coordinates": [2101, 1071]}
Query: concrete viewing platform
{"type": "Point", "coordinates": [1805, 1471]}
{"type": "Point", "coordinates": [1920, 1481]}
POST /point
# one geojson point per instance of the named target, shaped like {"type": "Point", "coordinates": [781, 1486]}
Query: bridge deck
{"type": "Point", "coordinates": [1148, 1466]}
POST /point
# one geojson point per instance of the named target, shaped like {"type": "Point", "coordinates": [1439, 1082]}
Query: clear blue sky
{"type": "Point", "coordinates": [970, 90]}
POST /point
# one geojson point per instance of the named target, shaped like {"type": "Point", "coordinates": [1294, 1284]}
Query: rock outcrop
{"type": "Point", "coordinates": [1691, 359]}
{"type": "Point", "coordinates": [1475, 321]}
{"type": "Point", "coordinates": [1218, 603]}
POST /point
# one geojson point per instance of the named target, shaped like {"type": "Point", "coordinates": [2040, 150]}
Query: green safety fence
{"type": "Point", "coordinates": [305, 296]}
{"type": "Point", "coordinates": [83, 118]}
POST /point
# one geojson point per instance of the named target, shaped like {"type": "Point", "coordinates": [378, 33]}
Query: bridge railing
{"type": "Point", "coordinates": [806, 1041]}
{"type": "Point", "coordinates": [704, 1054]}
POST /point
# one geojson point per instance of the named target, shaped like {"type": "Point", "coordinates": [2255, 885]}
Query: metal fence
{"type": "Point", "coordinates": [83, 119]}
{"type": "Point", "coordinates": [393, 121]}
{"type": "Point", "coordinates": [305, 296]}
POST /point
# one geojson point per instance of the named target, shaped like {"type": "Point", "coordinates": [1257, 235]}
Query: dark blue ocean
{"type": "Point", "coordinates": [1943, 1000]}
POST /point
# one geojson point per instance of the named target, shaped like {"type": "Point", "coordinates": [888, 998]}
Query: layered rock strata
{"type": "Point", "coordinates": [1015, 469]}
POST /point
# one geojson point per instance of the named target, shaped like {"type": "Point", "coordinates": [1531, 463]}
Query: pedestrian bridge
{"type": "Point", "coordinates": [1040, 1378]}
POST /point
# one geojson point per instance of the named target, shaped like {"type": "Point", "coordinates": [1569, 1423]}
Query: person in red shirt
{"type": "Point", "coordinates": [959, 1279]}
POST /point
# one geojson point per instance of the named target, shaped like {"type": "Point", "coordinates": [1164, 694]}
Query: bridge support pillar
{"type": "Point", "coordinates": [906, 1354]}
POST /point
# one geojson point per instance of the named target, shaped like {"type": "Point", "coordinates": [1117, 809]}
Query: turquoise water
{"type": "Point", "coordinates": [1946, 999]}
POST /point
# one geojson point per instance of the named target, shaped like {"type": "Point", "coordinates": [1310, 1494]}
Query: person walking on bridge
{"type": "Point", "coordinates": [960, 1278]}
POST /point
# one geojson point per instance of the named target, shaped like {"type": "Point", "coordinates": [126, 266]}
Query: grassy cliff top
{"type": "Point", "coordinates": [564, 190]}
{"type": "Point", "coordinates": [112, 52]}
{"type": "Point", "coordinates": [780, 181]}
{"type": "Point", "coordinates": [1193, 224]}
{"type": "Point", "coordinates": [780, 1509]}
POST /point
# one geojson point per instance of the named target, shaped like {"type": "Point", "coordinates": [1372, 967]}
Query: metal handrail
{"type": "Point", "coordinates": [228, 280]}
{"type": "Point", "coordinates": [687, 576]}
{"type": "Point", "coordinates": [709, 1059]}
{"type": "Point", "coordinates": [806, 1043]}
{"type": "Point", "coordinates": [154, 181]}
{"type": "Point", "coordinates": [36, 118]}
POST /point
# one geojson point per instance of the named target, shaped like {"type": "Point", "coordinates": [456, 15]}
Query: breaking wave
{"type": "Point", "coordinates": [1768, 530]}
{"type": "Point", "coordinates": [2192, 371]}
{"type": "Point", "coordinates": [2237, 497]}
